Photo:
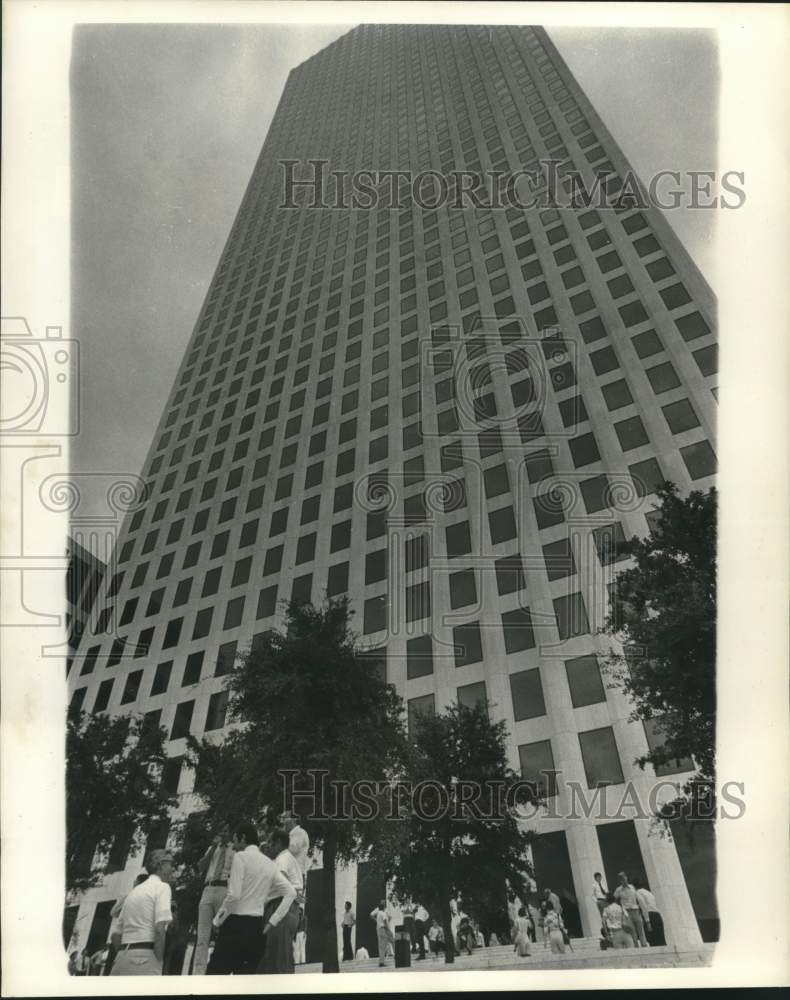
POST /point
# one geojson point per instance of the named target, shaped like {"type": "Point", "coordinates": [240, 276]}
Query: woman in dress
{"type": "Point", "coordinates": [615, 922]}
{"type": "Point", "coordinates": [552, 930]}
{"type": "Point", "coordinates": [522, 933]}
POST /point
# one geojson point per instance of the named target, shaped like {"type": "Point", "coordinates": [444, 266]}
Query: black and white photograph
{"type": "Point", "coordinates": [384, 592]}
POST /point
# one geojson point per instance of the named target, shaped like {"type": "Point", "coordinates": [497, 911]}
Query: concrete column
{"type": "Point", "coordinates": [585, 854]}
{"type": "Point", "coordinates": [663, 870]}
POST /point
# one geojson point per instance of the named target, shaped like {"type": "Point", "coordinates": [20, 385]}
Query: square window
{"type": "Point", "coordinates": [194, 666]}
{"type": "Point", "coordinates": [182, 720]}
{"type": "Point", "coordinates": [233, 613]}
{"type": "Point", "coordinates": [217, 711]}
{"type": "Point", "coordinates": [418, 708]}
{"type": "Point", "coordinates": [584, 681]}
{"type": "Point", "coordinates": [616, 394]}
{"type": "Point", "coordinates": [601, 759]}
{"type": "Point", "coordinates": [633, 313]}
{"type": "Point", "coordinates": [663, 378]}
{"type": "Point", "coordinates": [267, 602]}
{"type": "Point", "coordinates": [631, 433]}
{"type": "Point", "coordinates": [517, 628]}
{"type": "Point", "coordinates": [573, 411]}
{"type": "Point", "coordinates": [700, 459]}
{"type": "Point", "coordinates": [467, 644]}
{"type": "Point", "coordinates": [584, 450]}
{"type": "Point", "coordinates": [279, 522]}
{"type": "Point", "coordinates": [463, 590]}
{"type": "Point", "coordinates": [692, 326]}
{"type": "Point", "coordinates": [473, 696]}
{"type": "Point", "coordinates": [502, 524]}
{"type": "Point", "coordinates": [510, 574]}
{"type": "Point", "coordinates": [647, 476]}
{"type": "Point", "coordinates": [526, 691]}
{"type": "Point", "coordinates": [302, 588]}
{"type": "Point", "coordinates": [571, 616]}
{"type": "Point", "coordinates": [707, 359]}
{"type": "Point", "coordinates": [172, 633]}
{"type": "Point", "coordinates": [340, 537]}
{"type": "Point", "coordinates": [558, 557]}
{"type": "Point", "coordinates": [273, 560]}
{"type": "Point", "coordinates": [680, 416]}
{"type": "Point", "coordinates": [611, 543]}
{"type": "Point", "coordinates": [675, 296]}
{"type": "Point", "coordinates": [647, 344]}
{"type": "Point", "coordinates": [496, 481]}
{"type": "Point", "coordinates": [375, 566]}
{"type": "Point", "coordinates": [459, 540]}
{"type": "Point", "coordinates": [537, 767]}
{"type": "Point", "coordinates": [162, 678]}
{"type": "Point", "coordinates": [604, 360]}
{"type": "Point", "coordinates": [539, 465]}
{"type": "Point", "coordinates": [419, 657]}
{"type": "Point", "coordinates": [418, 602]}
{"type": "Point", "coordinates": [337, 580]}
{"type": "Point", "coordinates": [592, 329]}
{"type": "Point", "coordinates": [375, 614]}
{"type": "Point", "coordinates": [595, 494]}
{"type": "Point", "coordinates": [131, 687]}
{"type": "Point", "coordinates": [305, 549]}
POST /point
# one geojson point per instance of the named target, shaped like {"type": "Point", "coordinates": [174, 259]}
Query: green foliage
{"type": "Point", "coordinates": [663, 612]}
{"type": "Point", "coordinates": [305, 699]}
{"type": "Point", "coordinates": [461, 852]}
{"type": "Point", "coordinates": [113, 788]}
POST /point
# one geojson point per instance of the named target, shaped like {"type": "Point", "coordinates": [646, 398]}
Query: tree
{"type": "Point", "coordinates": [453, 844]}
{"type": "Point", "coordinates": [663, 611]}
{"type": "Point", "coordinates": [307, 700]}
{"type": "Point", "coordinates": [114, 794]}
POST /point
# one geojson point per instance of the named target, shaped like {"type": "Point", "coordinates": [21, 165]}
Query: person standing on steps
{"type": "Point", "coordinates": [625, 894]}
{"type": "Point", "coordinates": [348, 921]}
{"type": "Point", "coordinates": [215, 868]}
{"type": "Point", "coordinates": [383, 929]}
{"type": "Point", "coordinates": [654, 922]}
{"type": "Point", "coordinates": [600, 893]}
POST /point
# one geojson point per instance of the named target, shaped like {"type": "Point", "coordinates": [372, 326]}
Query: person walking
{"type": "Point", "coordinates": [348, 921]}
{"type": "Point", "coordinates": [600, 893]}
{"type": "Point", "coordinates": [278, 956]}
{"type": "Point", "coordinates": [521, 947]}
{"type": "Point", "coordinates": [214, 866]}
{"type": "Point", "coordinates": [553, 928]}
{"type": "Point", "coordinates": [253, 880]}
{"type": "Point", "coordinates": [143, 921]}
{"type": "Point", "coordinates": [614, 920]}
{"type": "Point", "coordinates": [421, 918]}
{"type": "Point", "coordinates": [654, 922]}
{"type": "Point", "coordinates": [625, 894]}
{"type": "Point", "coordinates": [383, 929]}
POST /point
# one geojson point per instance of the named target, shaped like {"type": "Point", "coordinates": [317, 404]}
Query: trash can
{"type": "Point", "coordinates": [402, 947]}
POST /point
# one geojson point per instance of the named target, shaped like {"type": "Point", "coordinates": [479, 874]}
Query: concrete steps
{"type": "Point", "coordinates": [586, 954]}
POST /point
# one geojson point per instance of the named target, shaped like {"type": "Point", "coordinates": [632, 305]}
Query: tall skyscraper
{"type": "Point", "coordinates": [452, 414]}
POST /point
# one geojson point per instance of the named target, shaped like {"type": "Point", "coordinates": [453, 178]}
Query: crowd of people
{"type": "Point", "coordinates": [253, 905]}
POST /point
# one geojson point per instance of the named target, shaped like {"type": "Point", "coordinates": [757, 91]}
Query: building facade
{"type": "Point", "coordinates": [454, 414]}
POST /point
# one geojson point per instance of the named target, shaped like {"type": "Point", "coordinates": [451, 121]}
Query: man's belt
{"type": "Point", "coordinates": [217, 881]}
{"type": "Point", "coordinates": [138, 944]}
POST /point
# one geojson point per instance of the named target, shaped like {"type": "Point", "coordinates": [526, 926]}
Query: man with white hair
{"type": "Point", "coordinates": [143, 921]}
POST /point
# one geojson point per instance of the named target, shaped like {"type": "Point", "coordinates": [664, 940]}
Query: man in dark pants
{"type": "Point", "coordinates": [254, 878]}
{"type": "Point", "coordinates": [349, 919]}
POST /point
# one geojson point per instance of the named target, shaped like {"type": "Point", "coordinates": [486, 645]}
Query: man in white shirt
{"type": "Point", "coordinates": [215, 867]}
{"type": "Point", "coordinates": [421, 918]}
{"type": "Point", "coordinates": [254, 878]}
{"type": "Point", "coordinates": [600, 894]}
{"type": "Point", "coordinates": [625, 894]}
{"type": "Point", "coordinates": [654, 923]}
{"type": "Point", "coordinates": [143, 921]}
{"type": "Point", "coordinates": [298, 840]}
{"type": "Point", "coordinates": [278, 956]}
{"type": "Point", "coordinates": [383, 930]}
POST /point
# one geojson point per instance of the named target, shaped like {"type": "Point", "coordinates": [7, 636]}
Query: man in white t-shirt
{"type": "Point", "coordinates": [143, 921]}
{"type": "Point", "coordinates": [383, 929]}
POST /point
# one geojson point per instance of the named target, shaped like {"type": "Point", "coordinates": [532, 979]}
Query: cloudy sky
{"type": "Point", "coordinates": [167, 122]}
